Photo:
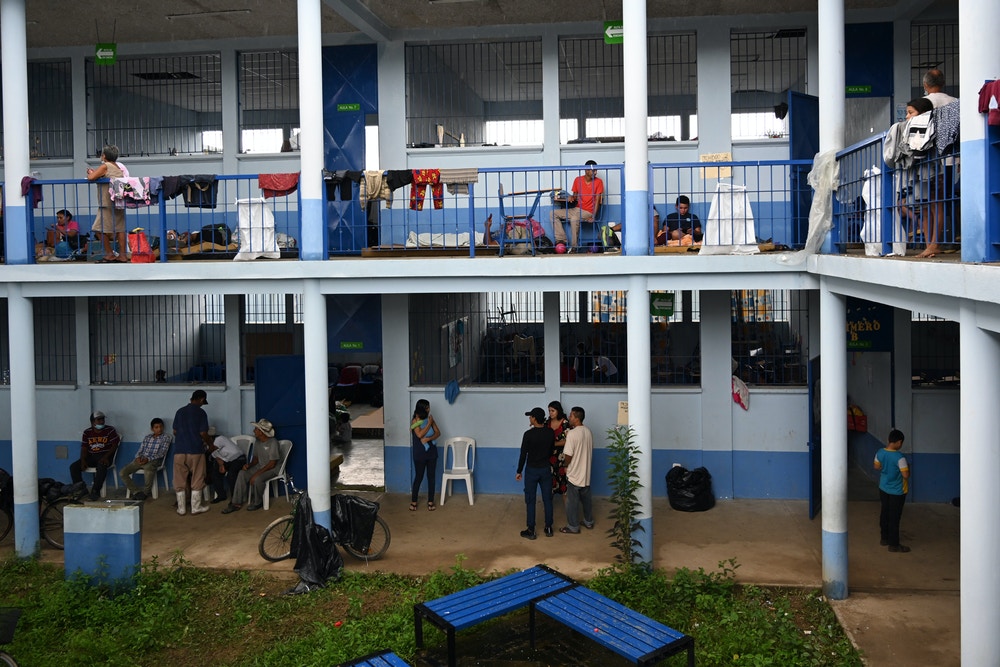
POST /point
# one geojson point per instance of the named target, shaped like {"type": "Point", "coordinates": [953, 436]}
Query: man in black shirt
{"type": "Point", "coordinates": [683, 222]}
{"type": "Point", "coordinates": [536, 446]}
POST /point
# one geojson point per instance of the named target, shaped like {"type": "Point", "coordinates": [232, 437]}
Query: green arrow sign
{"type": "Point", "coordinates": [661, 305]}
{"type": "Point", "coordinates": [614, 32]}
{"type": "Point", "coordinates": [105, 54]}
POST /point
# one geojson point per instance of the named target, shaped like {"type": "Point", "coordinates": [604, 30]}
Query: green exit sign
{"type": "Point", "coordinates": [614, 32]}
{"type": "Point", "coordinates": [351, 345]}
{"type": "Point", "coordinates": [859, 90]}
{"type": "Point", "coordinates": [349, 107]}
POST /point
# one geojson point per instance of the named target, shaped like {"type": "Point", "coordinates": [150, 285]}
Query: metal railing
{"type": "Point", "coordinates": [199, 222]}
{"type": "Point", "coordinates": [889, 210]}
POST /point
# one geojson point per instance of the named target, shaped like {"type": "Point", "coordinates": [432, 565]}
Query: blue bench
{"type": "Point", "coordinates": [464, 609]}
{"type": "Point", "coordinates": [383, 659]}
{"type": "Point", "coordinates": [628, 633]}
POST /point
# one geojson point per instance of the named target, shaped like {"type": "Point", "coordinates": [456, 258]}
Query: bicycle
{"type": "Point", "coordinates": [276, 541]}
{"type": "Point", "coordinates": [50, 519]}
{"type": "Point", "coordinates": [8, 623]}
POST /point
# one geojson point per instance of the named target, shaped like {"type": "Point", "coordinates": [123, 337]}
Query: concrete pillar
{"type": "Point", "coordinates": [550, 99]}
{"type": "Point", "coordinates": [833, 429]}
{"type": "Point", "coordinates": [832, 82]}
{"type": "Point", "coordinates": [640, 406]}
{"type": "Point", "coordinates": [317, 358]}
{"type": "Point", "coordinates": [979, 467]}
{"type": "Point", "coordinates": [17, 165]}
{"type": "Point", "coordinates": [24, 436]}
{"type": "Point", "coordinates": [716, 389]}
{"type": "Point", "coordinates": [980, 61]}
{"type": "Point", "coordinates": [397, 409]}
{"type": "Point", "coordinates": [231, 109]}
{"type": "Point", "coordinates": [550, 310]}
{"type": "Point", "coordinates": [637, 229]}
{"type": "Point", "coordinates": [313, 244]}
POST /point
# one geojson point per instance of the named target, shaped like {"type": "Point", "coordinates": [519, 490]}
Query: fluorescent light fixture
{"type": "Point", "coordinates": [198, 15]}
{"type": "Point", "coordinates": [449, 2]}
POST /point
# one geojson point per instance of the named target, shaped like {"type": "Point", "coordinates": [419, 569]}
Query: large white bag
{"type": "Point", "coordinates": [729, 229]}
{"type": "Point", "coordinates": [256, 231]}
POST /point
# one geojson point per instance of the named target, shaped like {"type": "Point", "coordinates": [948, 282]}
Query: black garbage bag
{"type": "Point", "coordinates": [353, 520]}
{"type": "Point", "coordinates": [316, 557]}
{"type": "Point", "coordinates": [690, 490]}
{"type": "Point", "coordinates": [6, 490]}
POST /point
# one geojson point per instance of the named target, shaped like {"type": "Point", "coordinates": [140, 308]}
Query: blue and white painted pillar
{"type": "Point", "coordinates": [980, 493]}
{"type": "Point", "coordinates": [832, 84]}
{"type": "Point", "coordinates": [636, 218]}
{"type": "Point", "coordinates": [103, 541]}
{"type": "Point", "coordinates": [17, 165]}
{"type": "Point", "coordinates": [640, 407]}
{"type": "Point", "coordinates": [833, 426]}
{"type": "Point", "coordinates": [315, 343]}
{"type": "Point", "coordinates": [313, 246]}
{"type": "Point", "coordinates": [24, 435]}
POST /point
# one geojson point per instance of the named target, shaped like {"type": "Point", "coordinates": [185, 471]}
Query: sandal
{"type": "Point", "coordinates": [413, 507]}
{"type": "Point", "coordinates": [431, 506]}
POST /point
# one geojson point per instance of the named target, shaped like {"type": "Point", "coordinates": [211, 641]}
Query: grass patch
{"type": "Point", "coordinates": [180, 615]}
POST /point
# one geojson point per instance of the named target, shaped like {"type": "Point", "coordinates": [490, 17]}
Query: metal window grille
{"type": "Point", "coordinates": [494, 338]}
{"type": "Point", "coordinates": [55, 341]}
{"type": "Point", "coordinates": [933, 46]}
{"type": "Point", "coordinates": [269, 101]}
{"type": "Point", "coordinates": [935, 346]}
{"type": "Point", "coordinates": [592, 94]}
{"type": "Point", "coordinates": [134, 337]}
{"type": "Point", "coordinates": [50, 110]}
{"type": "Point", "coordinates": [770, 336]}
{"type": "Point", "coordinates": [764, 67]}
{"type": "Point", "coordinates": [154, 105]}
{"type": "Point", "coordinates": [269, 324]}
{"type": "Point", "coordinates": [479, 92]}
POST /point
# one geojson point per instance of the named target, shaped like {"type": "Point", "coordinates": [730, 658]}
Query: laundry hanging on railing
{"type": "Point", "coordinates": [458, 180]}
{"type": "Point", "coordinates": [202, 191]}
{"type": "Point", "coordinates": [131, 192]}
{"type": "Point", "coordinates": [339, 183]}
{"type": "Point", "coordinates": [277, 185]}
{"type": "Point", "coordinates": [421, 179]}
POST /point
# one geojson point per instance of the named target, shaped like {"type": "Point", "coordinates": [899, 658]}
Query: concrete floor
{"type": "Point", "coordinates": [897, 601]}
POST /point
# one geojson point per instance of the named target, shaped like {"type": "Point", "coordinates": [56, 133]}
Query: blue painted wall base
{"type": "Point", "coordinates": [835, 565]}
{"type": "Point", "coordinates": [104, 543]}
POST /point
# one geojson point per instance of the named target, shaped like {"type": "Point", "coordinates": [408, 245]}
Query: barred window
{"type": "Point", "coordinates": [935, 346]}
{"type": "Point", "coordinates": [484, 92]}
{"type": "Point", "coordinates": [770, 336]}
{"type": "Point", "coordinates": [269, 101]}
{"type": "Point", "coordinates": [592, 94]}
{"type": "Point", "coordinates": [50, 110]}
{"type": "Point", "coordinates": [933, 46]}
{"type": "Point", "coordinates": [55, 341]}
{"type": "Point", "coordinates": [764, 67]}
{"type": "Point", "coordinates": [495, 338]}
{"type": "Point", "coordinates": [269, 324]}
{"type": "Point", "coordinates": [154, 105]}
{"type": "Point", "coordinates": [134, 338]}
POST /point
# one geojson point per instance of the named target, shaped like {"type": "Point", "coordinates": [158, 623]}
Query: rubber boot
{"type": "Point", "coordinates": [206, 494]}
{"type": "Point", "coordinates": [182, 502]}
{"type": "Point", "coordinates": [198, 505]}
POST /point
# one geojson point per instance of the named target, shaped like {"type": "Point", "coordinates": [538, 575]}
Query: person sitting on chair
{"type": "Point", "coordinates": [149, 459]}
{"type": "Point", "coordinates": [587, 194]}
{"type": "Point", "coordinates": [251, 484]}
{"type": "Point", "coordinates": [97, 450]}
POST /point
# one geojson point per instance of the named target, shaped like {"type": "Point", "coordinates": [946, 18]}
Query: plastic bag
{"type": "Point", "coordinates": [316, 557]}
{"type": "Point", "coordinates": [353, 520]}
{"type": "Point", "coordinates": [690, 490]}
{"type": "Point", "coordinates": [138, 245]}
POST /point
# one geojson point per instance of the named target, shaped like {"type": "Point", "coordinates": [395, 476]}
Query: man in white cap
{"type": "Point", "coordinates": [252, 480]}
{"type": "Point", "coordinates": [584, 204]}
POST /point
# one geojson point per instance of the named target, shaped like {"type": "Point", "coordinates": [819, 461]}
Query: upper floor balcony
{"type": "Point", "coordinates": [739, 207]}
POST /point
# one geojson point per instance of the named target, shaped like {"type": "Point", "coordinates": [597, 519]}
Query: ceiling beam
{"type": "Point", "coordinates": [362, 18]}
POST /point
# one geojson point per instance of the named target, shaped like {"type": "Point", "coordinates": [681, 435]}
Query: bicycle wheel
{"type": "Point", "coordinates": [6, 659]}
{"type": "Point", "coordinates": [276, 540]}
{"type": "Point", "coordinates": [52, 522]}
{"type": "Point", "coordinates": [6, 522]}
{"type": "Point", "coordinates": [379, 544]}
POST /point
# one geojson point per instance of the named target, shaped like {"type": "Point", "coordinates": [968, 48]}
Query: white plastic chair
{"type": "Point", "coordinates": [162, 469]}
{"type": "Point", "coordinates": [112, 473]}
{"type": "Point", "coordinates": [284, 449]}
{"type": "Point", "coordinates": [463, 461]}
{"type": "Point", "coordinates": [244, 442]}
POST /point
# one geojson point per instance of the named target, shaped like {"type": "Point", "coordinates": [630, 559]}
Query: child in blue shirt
{"type": "Point", "coordinates": [893, 484]}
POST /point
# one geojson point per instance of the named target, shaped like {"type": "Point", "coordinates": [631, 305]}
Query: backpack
{"type": "Point", "coordinates": [921, 133]}
{"type": "Point", "coordinates": [219, 234]}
